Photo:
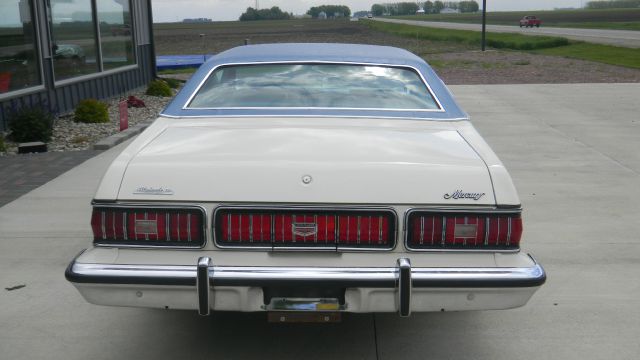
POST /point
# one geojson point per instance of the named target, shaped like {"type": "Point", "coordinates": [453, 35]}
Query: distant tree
{"type": "Point", "coordinates": [437, 6]}
{"type": "Point", "coordinates": [428, 7]}
{"type": "Point", "coordinates": [330, 10]}
{"type": "Point", "coordinates": [468, 6]}
{"type": "Point", "coordinates": [406, 8]}
{"type": "Point", "coordinates": [377, 10]}
{"type": "Point", "coordinates": [613, 4]}
{"type": "Point", "coordinates": [399, 8]}
{"type": "Point", "coordinates": [265, 14]}
{"type": "Point", "coordinates": [451, 4]}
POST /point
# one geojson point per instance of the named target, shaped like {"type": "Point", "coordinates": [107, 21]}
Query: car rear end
{"type": "Point", "coordinates": [309, 179]}
{"type": "Point", "coordinates": [411, 226]}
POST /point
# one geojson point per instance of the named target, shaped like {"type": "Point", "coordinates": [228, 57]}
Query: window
{"type": "Point", "coordinates": [116, 33]}
{"type": "Point", "coordinates": [74, 47]}
{"type": "Point", "coordinates": [315, 86]}
{"type": "Point", "coordinates": [75, 36]}
{"type": "Point", "coordinates": [19, 59]}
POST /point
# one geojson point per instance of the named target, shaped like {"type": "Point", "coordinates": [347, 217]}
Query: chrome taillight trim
{"type": "Point", "coordinates": [454, 210]}
{"type": "Point", "coordinates": [136, 205]}
{"type": "Point", "coordinates": [391, 211]}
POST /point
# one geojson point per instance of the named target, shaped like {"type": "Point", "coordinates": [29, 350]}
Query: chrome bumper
{"type": "Point", "coordinates": [205, 276]}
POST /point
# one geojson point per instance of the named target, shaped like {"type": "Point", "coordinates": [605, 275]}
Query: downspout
{"type": "Point", "coordinates": [154, 68]}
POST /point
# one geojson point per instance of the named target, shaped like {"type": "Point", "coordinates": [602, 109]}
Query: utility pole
{"type": "Point", "coordinates": [256, 4]}
{"type": "Point", "coordinates": [484, 23]}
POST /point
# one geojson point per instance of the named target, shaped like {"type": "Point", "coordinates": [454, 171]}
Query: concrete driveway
{"type": "Point", "coordinates": [574, 153]}
{"type": "Point", "coordinates": [624, 38]}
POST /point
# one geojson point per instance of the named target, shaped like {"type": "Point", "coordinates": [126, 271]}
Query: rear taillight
{"type": "Point", "coordinates": [469, 230]}
{"type": "Point", "coordinates": [331, 229]}
{"type": "Point", "coordinates": [148, 226]}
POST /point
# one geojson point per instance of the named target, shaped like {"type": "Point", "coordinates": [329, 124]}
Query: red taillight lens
{"type": "Point", "coordinates": [305, 228]}
{"type": "Point", "coordinates": [148, 226]}
{"type": "Point", "coordinates": [433, 230]}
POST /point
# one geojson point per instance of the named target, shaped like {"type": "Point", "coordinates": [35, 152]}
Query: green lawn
{"type": "Point", "coordinates": [190, 70]}
{"type": "Point", "coordinates": [495, 40]}
{"type": "Point", "coordinates": [600, 53]}
{"type": "Point", "coordinates": [623, 25]}
{"type": "Point", "coordinates": [538, 44]}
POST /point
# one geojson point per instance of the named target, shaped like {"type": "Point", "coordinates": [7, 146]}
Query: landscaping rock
{"type": "Point", "coordinates": [69, 135]}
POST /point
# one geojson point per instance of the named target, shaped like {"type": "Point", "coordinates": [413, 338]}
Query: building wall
{"type": "Point", "coordinates": [62, 96]}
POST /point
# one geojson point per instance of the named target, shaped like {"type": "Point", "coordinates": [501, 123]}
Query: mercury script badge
{"type": "Point", "coordinates": [150, 190]}
{"type": "Point", "coordinates": [304, 229]}
{"type": "Point", "coordinates": [459, 194]}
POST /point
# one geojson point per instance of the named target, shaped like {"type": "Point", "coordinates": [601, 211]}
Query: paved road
{"type": "Point", "coordinates": [624, 38]}
{"type": "Point", "coordinates": [573, 153]}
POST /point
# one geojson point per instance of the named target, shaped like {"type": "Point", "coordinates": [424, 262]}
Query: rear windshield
{"type": "Point", "coordinates": [314, 86]}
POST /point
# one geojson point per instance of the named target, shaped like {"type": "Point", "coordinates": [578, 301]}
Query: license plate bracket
{"type": "Point", "coordinates": [303, 317]}
{"type": "Point", "coordinates": [305, 304]}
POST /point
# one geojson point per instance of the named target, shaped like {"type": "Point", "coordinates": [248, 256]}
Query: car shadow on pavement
{"type": "Point", "coordinates": [232, 335]}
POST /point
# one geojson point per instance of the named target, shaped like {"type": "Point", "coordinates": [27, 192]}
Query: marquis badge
{"type": "Point", "coordinates": [459, 194]}
{"type": "Point", "coordinates": [150, 190]}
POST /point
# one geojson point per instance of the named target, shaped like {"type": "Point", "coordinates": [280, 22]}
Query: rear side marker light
{"type": "Point", "coordinates": [310, 228]}
{"type": "Point", "coordinates": [148, 226]}
{"type": "Point", "coordinates": [454, 230]}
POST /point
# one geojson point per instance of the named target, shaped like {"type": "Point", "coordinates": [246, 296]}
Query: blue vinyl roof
{"type": "Point", "coordinates": [317, 52]}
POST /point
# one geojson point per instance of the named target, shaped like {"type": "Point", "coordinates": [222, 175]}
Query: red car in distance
{"type": "Point", "coordinates": [530, 21]}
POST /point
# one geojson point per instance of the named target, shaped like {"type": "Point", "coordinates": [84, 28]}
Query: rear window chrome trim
{"type": "Point", "coordinates": [337, 249]}
{"type": "Point", "coordinates": [134, 205]}
{"type": "Point", "coordinates": [309, 116]}
{"type": "Point", "coordinates": [452, 210]}
{"type": "Point", "coordinates": [409, 67]}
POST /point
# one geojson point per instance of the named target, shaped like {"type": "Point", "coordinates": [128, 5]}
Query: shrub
{"type": "Point", "coordinates": [91, 111]}
{"type": "Point", "coordinates": [31, 124]}
{"type": "Point", "coordinates": [159, 88]}
{"type": "Point", "coordinates": [3, 147]}
{"type": "Point", "coordinates": [173, 83]}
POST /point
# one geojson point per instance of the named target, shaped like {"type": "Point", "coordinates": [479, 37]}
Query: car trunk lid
{"type": "Point", "coordinates": [308, 164]}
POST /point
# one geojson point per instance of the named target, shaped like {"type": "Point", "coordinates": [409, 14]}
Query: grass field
{"type": "Point", "coordinates": [495, 40]}
{"type": "Point", "coordinates": [540, 44]}
{"type": "Point", "coordinates": [177, 38]}
{"type": "Point", "coordinates": [620, 19]}
{"type": "Point", "coordinates": [595, 52]}
{"type": "Point", "coordinates": [456, 57]}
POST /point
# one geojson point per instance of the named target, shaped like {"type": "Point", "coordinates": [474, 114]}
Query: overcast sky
{"type": "Point", "coordinates": [218, 10]}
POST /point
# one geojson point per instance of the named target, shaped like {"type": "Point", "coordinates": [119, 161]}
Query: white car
{"type": "Point", "coordinates": [306, 180]}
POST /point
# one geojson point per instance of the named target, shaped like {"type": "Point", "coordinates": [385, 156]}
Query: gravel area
{"type": "Point", "coordinates": [69, 135]}
{"type": "Point", "coordinates": [515, 67]}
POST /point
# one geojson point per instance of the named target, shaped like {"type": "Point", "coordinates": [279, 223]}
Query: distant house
{"type": "Point", "coordinates": [197, 20]}
{"type": "Point", "coordinates": [420, 12]}
{"type": "Point", "coordinates": [322, 15]}
{"type": "Point", "coordinates": [448, 10]}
